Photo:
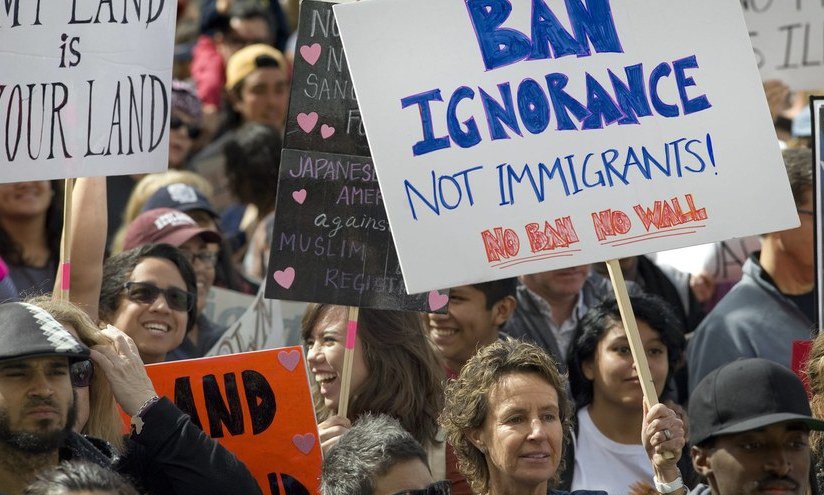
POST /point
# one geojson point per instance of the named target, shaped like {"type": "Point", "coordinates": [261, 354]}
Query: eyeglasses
{"type": "Point", "coordinates": [806, 212]}
{"type": "Point", "coordinates": [176, 123]}
{"type": "Point", "coordinates": [81, 373]}
{"type": "Point", "coordinates": [205, 257]}
{"type": "Point", "coordinates": [438, 488]}
{"type": "Point", "coordinates": [145, 293]}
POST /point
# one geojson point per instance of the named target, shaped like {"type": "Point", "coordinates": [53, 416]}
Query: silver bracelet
{"type": "Point", "coordinates": [137, 419]}
{"type": "Point", "coordinates": [670, 487]}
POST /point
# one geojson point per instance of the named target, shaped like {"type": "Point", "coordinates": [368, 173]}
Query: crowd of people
{"type": "Point", "coordinates": [522, 386]}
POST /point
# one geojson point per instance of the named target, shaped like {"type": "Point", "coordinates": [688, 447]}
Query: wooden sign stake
{"type": "Point", "coordinates": [64, 271]}
{"type": "Point", "coordinates": [348, 357]}
{"type": "Point", "coordinates": [633, 336]}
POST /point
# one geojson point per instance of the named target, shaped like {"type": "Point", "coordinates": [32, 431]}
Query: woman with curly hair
{"type": "Point", "coordinates": [507, 415]}
{"type": "Point", "coordinates": [395, 372]}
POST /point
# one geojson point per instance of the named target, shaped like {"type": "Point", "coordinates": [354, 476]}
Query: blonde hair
{"type": "Point", "coordinates": [815, 379]}
{"type": "Point", "coordinates": [467, 401]}
{"type": "Point", "coordinates": [144, 189]}
{"type": "Point", "coordinates": [104, 418]}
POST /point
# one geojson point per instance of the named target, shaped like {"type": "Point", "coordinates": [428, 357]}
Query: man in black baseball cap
{"type": "Point", "coordinates": [37, 406]}
{"type": "Point", "coordinates": [749, 427]}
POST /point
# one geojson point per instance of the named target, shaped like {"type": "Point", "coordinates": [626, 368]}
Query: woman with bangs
{"type": "Point", "coordinates": [395, 372]}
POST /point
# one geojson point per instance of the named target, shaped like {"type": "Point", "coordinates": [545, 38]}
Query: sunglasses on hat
{"type": "Point", "coordinates": [146, 293]}
{"type": "Point", "coordinates": [81, 373]}
{"type": "Point", "coordinates": [438, 488]}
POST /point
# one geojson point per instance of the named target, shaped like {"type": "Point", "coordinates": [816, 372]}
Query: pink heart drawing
{"type": "Point", "coordinates": [326, 131]}
{"type": "Point", "coordinates": [285, 277]}
{"type": "Point", "coordinates": [307, 121]}
{"type": "Point", "coordinates": [289, 359]}
{"type": "Point", "coordinates": [304, 442]}
{"type": "Point", "coordinates": [299, 196]}
{"type": "Point", "coordinates": [310, 53]}
{"type": "Point", "coordinates": [437, 300]}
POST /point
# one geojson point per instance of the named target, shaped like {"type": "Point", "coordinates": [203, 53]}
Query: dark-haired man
{"type": "Point", "coordinates": [473, 319]}
{"type": "Point", "coordinates": [749, 432]}
{"type": "Point", "coordinates": [37, 406]}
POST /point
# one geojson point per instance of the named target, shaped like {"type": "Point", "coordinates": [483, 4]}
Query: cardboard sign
{"type": "Point", "coordinates": [788, 40]}
{"type": "Point", "coordinates": [331, 240]}
{"type": "Point", "coordinates": [817, 109]}
{"type": "Point", "coordinates": [323, 111]}
{"type": "Point", "coordinates": [259, 327]}
{"type": "Point", "coordinates": [225, 307]}
{"type": "Point", "coordinates": [85, 88]}
{"type": "Point", "coordinates": [514, 137]}
{"type": "Point", "coordinates": [259, 406]}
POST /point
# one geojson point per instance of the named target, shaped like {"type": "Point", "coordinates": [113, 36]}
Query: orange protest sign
{"type": "Point", "coordinates": [256, 404]}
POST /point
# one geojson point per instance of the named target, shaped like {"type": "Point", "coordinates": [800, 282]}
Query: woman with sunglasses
{"type": "Point", "coordinates": [130, 298]}
{"type": "Point", "coordinates": [184, 124]}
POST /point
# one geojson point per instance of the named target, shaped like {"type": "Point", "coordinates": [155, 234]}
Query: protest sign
{"type": "Point", "coordinates": [224, 307]}
{"type": "Point", "coordinates": [323, 111]}
{"type": "Point", "coordinates": [259, 327]}
{"type": "Point", "coordinates": [517, 137]}
{"type": "Point", "coordinates": [259, 406]}
{"type": "Point", "coordinates": [331, 240]}
{"type": "Point", "coordinates": [84, 89]}
{"type": "Point", "coordinates": [788, 40]}
{"type": "Point", "coordinates": [817, 110]}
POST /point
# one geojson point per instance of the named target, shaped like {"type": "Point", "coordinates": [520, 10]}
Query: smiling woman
{"type": "Point", "coordinates": [150, 293]}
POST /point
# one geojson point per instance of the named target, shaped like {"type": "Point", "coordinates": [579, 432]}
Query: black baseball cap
{"type": "Point", "coordinates": [28, 331]}
{"type": "Point", "coordinates": [745, 395]}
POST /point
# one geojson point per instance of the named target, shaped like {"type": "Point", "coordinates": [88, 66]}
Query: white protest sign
{"type": "Point", "coordinates": [260, 327]}
{"type": "Point", "coordinates": [224, 307]}
{"type": "Point", "coordinates": [84, 87]}
{"type": "Point", "coordinates": [788, 40]}
{"type": "Point", "coordinates": [601, 130]}
{"type": "Point", "coordinates": [817, 119]}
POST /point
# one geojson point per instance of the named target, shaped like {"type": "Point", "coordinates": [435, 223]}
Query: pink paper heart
{"type": "Point", "coordinates": [299, 196]}
{"type": "Point", "coordinates": [310, 53]}
{"type": "Point", "coordinates": [326, 131]}
{"type": "Point", "coordinates": [304, 442]}
{"type": "Point", "coordinates": [437, 300]}
{"type": "Point", "coordinates": [285, 277]}
{"type": "Point", "coordinates": [289, 359]}
{"type": "Point", "coordinates": [307, 121]}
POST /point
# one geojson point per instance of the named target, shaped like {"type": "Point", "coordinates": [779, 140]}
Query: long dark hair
{"type": "Point", "coordinates": [405, 375]}
{"type": "Point", "coordinates": [650, 309]}
{"type": "Point", "coordinates": [12, 252]}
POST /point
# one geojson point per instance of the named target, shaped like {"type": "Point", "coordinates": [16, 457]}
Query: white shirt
{"type": "Point", "coordinates": [566, 331]}
{"type": "Point", "coordinates": [602, 464]}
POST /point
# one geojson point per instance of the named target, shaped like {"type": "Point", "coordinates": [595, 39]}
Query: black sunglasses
{"type": "Point", "coordinates": [146, 293]}
{"type": "Point", "coordinates": [81, 373]}
{"type": "Point", "coordinates": [438, 488]}
{"type": "Point", "coordinates": [176, 123]}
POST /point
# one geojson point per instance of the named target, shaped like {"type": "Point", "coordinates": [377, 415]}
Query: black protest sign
{"type": "Point", "coordinates": [331, 241]}
{"type": "Point", "coordinates": [323, 111]}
